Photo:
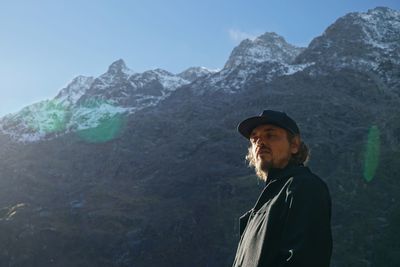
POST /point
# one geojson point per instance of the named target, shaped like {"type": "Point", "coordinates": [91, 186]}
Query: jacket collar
{"type": "Point", "coordinates": [287, 171]}
{"type": "Point", "coordinates": [276, 174]}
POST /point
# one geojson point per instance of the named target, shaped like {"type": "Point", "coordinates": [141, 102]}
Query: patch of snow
{"type": "Point", "coordinates": [291, 69]}
{"type": "Point", "coordinates": [91, 117]}
{"type": "Point", "coordinates": [171, 82]}
{"type": "Point", "coordinates": [379, 23]}
{"type": "Point", "coordinates": [128, 72]}
{"type": "Point", "coordinates": [117, 73]}
{"type": "Point", "coordinates": [74, 90]}
{"type": "Point", "coordinates": [268, 47]}
{"type": "Point", "coordinates": [210, 70]}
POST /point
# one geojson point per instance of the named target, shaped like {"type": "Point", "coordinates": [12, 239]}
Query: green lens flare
{"type": "Point", "coordinates": [371, 157]}
{"type": "Point", "coordinates": [46, 117]}
{"type": "Point", "coordinates": [94, 120]}
{"type": "Point", "coordinates": [100, 120]}
{"type": "Point", "coordinates": [106, 130]}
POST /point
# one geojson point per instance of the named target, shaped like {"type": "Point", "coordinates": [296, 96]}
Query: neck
{"type": "Point", "coordinates": [276, 172]}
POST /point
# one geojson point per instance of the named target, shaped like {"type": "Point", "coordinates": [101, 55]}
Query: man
{"type": "Point", "coordinates": [290, 222]}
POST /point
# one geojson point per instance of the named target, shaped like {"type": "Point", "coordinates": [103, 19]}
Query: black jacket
{"type": "Point", "coordinates": [290, 223]}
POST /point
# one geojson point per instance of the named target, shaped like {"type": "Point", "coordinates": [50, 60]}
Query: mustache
{"type": "Point", "coordinates": [262, 148]}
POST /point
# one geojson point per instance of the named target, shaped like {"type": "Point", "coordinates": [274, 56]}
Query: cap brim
{"type": "Point", "coordinates": [248, 125]}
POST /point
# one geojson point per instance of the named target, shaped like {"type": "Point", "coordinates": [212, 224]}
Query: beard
{"type": "Point", "coordinates": [262, 167]}
{"type": "Point", "coordinates": [265, 165]}
{"type": "Point", "coordinates": [262, 163]}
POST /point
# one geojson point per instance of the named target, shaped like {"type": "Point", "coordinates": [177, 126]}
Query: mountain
{"type": "Point", "coordinates": [87, 102]}
{"type": "Point", "coordinates": [374, 40]}
{"type": "Point", "coordinates": [374, 45]}
{"type": "Point", "coordinates": [268, 56]}
{"type": "Point", "coordinates": [194, 73]}
{"type": "Point", "coordinates": [162, 181]}
{"type": "Point", "coordinates": [74, 90]}
{"type": "Point", "coordinates": [268, 47]}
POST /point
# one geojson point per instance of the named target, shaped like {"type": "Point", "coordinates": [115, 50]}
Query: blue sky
{"type": "Point", "coordinates": [45, 44]}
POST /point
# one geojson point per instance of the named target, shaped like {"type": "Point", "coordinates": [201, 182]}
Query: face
{"type": "Point", "coordinates": [271, 148]}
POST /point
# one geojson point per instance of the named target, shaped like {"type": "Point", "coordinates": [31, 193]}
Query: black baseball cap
{"type": "Point", "coordinates": [273, 117]}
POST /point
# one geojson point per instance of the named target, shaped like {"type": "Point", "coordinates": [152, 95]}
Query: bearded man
{"type": "Point", "coordinates": [290, 223]}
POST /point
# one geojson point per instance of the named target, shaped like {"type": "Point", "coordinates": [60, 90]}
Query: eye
{"type": "Point", "coordinates": [253, 138]}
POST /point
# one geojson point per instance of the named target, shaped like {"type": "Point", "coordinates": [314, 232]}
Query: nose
{"type": "Point", "coordinates": [258, 142]}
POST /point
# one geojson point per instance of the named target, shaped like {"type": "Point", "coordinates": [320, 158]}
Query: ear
{"type": "Point", "coordinates": [295, 144]}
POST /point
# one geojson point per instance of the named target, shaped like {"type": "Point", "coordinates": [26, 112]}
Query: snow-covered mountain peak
{"type": "Point", "coordinates": [381, 13]}
{"type": "Point", "coordinates": [161, 72]}
{"type": "Point", "coordinates": [74, 90]}
{"type": "Point", "coordinates": [360, 40]}
{"type": "Point", "coordinates": [194, 73]}
{"type": "Point", "coordinates": [78, 83]}
{"type": "Point", "coordinates": [269, 53]}
{"type": "Point", "coordinates": [269, 47]}
{"type": "Point", "coordinates": [168, 80]}
{"type": "Point", "coordinates": [118, 67]}
{"type": "Point", "coordinates": [270, 38]}
{"type": "Point", "coordinates": [117, 73]}
{"type": "Point", "coordinates": [367, 40]}
{"type": "Point", "coordinates": [381, 27]}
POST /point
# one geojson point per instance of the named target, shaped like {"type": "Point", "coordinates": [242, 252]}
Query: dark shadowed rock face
{"type": "Point", "coordinates": [168, 188]}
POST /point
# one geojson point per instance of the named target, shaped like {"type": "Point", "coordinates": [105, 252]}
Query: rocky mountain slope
{"type": "Point", "coordinates": [161, 179]}
{"type": "Point", "coordinates": [87, 102]}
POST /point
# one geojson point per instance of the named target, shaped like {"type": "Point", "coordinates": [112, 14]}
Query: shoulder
{"type": "Point", "coordinates": [305, 181]}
